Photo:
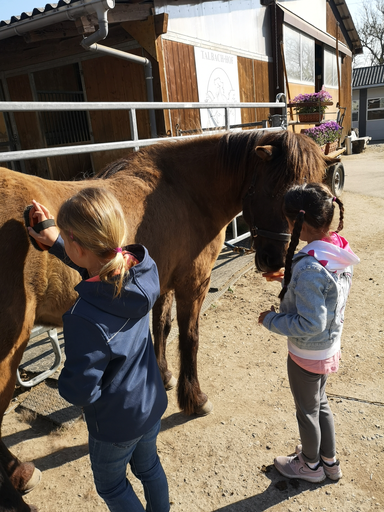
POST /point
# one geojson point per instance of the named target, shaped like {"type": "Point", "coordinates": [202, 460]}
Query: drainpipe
{"type": "Point", "coordinates": [89, 43]}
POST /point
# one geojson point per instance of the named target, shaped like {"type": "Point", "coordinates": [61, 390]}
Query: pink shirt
{"type": "Point", "coordinates": [330, 365]}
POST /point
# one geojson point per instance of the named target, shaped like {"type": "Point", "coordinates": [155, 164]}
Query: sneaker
{"type": "Point", "coordinates": [295, 467]}
{"type": "Point", "coordinates": [332, 471]}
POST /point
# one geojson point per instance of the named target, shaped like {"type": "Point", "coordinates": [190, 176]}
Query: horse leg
{"type": "Point", "coordinates": [10, 499]}
{"type": "Point", "coordinates": [22, 475]}
{"type": "Point", "coordinates": [190, 397]}
{"type": "Point", "coordinates": [161, 326]}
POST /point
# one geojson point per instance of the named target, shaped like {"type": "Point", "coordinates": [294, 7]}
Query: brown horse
{"type": "Point", "coordinates": [178, 198]}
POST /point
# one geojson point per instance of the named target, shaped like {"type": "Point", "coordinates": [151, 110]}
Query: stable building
{"type": "Point", "coordinates": [368, 101]}
{"type": "Point", "coordinates": [164, 51]}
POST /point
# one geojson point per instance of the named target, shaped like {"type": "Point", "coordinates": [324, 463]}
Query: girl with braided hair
{"type": "Point", "coordinates": [316, 284]}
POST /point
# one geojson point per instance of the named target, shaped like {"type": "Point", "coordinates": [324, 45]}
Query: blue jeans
{"type": "Point", "coordinates": [109, 465]}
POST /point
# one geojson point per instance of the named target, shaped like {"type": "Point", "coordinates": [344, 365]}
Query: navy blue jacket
{"type": "Point", "coordinates": [110, 368]}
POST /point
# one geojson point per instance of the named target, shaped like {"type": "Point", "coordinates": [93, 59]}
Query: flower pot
{"type": "Point", "coordinates": [330, 147]}
{"type": "Point", "coordinates": [316, 117]}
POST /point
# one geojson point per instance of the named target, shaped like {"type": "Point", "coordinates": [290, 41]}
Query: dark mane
{"type": "Point", "coordinates": [237, 151]}
{"type": "Point", "coordinates": [299, 159]}
{"type": "Point", "coordinates": [112, 168]}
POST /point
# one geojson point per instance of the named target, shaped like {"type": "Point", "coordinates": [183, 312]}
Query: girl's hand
{"type": "Point", "coordinates": [264, 314]}
{"type": "Point", "coordinates": [274, 276]}
{"type": "Point", "coordinates": [49, 235]}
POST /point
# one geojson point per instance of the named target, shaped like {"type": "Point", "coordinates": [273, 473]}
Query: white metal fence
{"type": "Point", "coordinates": [135, 143]}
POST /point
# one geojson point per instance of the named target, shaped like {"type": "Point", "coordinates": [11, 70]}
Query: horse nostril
{"type": "Point", "coordinates": [271, 262]}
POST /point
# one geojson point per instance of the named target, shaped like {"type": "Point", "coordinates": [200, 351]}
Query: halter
{"type": "Point", "coordinates": [255, 231]}
{"type": "Point", "coordinates": [281, 237]}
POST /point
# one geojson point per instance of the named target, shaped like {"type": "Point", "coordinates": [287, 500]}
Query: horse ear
{"type": "Point", "coordinates": [266, 153]}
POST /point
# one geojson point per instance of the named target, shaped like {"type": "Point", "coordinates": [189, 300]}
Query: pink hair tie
{"type": "Point", "coordinates": [302, 211]}
{"type": "Point", "coordinates": [334, 198]}
{"type": "Point", "coordinates": [118, 249]}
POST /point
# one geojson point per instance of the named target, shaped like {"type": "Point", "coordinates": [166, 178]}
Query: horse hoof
{"type": "Point", "coordinates": [33, 481]}
{"type": "Point", "coordinates": [204, 409]}
{"type": "Point", "coordinates": [170, 384]}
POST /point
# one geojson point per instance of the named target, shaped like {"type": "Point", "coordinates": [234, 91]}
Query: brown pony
{"type": "Point", "coordinates": [178, 198]}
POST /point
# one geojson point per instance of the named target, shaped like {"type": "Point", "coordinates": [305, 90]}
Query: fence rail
{"type": "Point", "coordinates": [135, 143]}
{"type": "Point", "coordinates": [132, 107]}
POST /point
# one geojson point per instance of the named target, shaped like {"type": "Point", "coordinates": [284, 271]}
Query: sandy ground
{"type": "Point", "coordinates": [224, 461]}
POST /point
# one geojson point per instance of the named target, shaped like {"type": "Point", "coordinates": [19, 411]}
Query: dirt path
{"type": "Point", "coordinates": [223, 462]}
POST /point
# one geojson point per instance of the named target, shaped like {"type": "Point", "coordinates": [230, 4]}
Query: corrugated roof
{"type": "Point", "coordinates": [368, 77]}
{"type": "Point", "coordinates": [350, 32]}
{"type": "Point", "coordinates": [16, 25]}
{"type": "Point", "coordinates": [37, 11]}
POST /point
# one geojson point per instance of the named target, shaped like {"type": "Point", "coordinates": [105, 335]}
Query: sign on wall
{"type": "Point", "coordinates": [217, 82]}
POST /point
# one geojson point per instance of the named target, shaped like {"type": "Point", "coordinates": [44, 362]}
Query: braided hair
{"type": "Point", "coordinates": [314, 204]}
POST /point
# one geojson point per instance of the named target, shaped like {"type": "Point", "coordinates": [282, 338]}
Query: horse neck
{"type": "Point", "coordinates": [217, 191]}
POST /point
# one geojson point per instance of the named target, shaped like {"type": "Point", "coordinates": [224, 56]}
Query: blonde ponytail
{"type": "Point", "coordinates": [95, 220]}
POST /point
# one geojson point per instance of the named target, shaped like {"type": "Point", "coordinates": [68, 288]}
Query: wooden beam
{"type": "Point", "coordinates": [63, 30]}
{"type": "Point", "coordinates": [89, 24]}
{"type": "Point", "coordinates": [161, 23]}
{"type": "Point", "coordinates": [129, 12]}
{"type": "Point", "coordinates": [84, 25]}
{"type": "Point", "coordinates": [144, 33]}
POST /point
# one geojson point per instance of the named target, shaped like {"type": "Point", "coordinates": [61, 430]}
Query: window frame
{"type": "Point", "coordinates": [355, 103]}
{"type": "Point", "coordinates": [302, 37]}
{"type": "Point", "coordinates": [332, 52]}
{"type": "Point", "coordinates": [377, 109]}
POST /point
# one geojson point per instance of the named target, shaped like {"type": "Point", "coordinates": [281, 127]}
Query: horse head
{"type": "Point", "coordinates": [282, 159]}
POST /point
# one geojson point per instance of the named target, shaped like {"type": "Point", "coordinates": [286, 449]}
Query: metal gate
{"type": "Point", "coordinates": [75, 110]}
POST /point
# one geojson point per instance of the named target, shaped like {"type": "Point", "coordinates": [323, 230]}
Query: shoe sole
{"type": "Point", "coordinates": [329, 475]}
{"type": "Point", "coordinates": [313, 479]}
{"type": "Point", "coordinates": [333, 477]}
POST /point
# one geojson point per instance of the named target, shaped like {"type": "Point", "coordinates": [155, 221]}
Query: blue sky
{"type": "Point", "coordinates": [10, 8]}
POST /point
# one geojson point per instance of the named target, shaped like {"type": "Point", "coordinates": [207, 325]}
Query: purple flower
{"type": "Point", "coordinates": [314, 97]}
{"type": "Point", "coordinates": [326, 132]}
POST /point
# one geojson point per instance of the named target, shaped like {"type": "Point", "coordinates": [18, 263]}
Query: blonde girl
{"type": "Point", "coordinates": [110, 368]}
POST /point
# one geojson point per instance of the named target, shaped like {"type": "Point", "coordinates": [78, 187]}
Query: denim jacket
{"type": "Point", "coordinates": [312, 311]}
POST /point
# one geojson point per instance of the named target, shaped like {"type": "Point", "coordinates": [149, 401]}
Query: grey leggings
{"type": "Point", "coordinates": [314, 416]}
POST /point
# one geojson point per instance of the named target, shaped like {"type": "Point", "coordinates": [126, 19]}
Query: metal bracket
{"type": "Point", "coordinates": [52, 335]}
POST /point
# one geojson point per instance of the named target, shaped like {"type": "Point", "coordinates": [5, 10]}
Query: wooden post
{"type": "Point", "coordinates": [337, 63]}
{"type": "Point", "coordinates": [286, 80]}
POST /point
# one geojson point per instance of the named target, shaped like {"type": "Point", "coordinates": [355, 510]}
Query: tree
{"type": "Point", "coordinates": [370, 28]}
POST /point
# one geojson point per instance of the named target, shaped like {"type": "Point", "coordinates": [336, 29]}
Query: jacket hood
{"type": "Point", "coordinates": [332, 257]}
{"type": "Point", "coordinates": [140, 290]}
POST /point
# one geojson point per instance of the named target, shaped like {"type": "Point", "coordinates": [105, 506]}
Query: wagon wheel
{"type": "Point", "coordinates": [335, 178]}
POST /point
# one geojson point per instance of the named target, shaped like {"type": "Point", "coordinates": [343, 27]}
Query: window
{"type": "Point", "coordinates": [64, 127]}
{"type": "Point", "coordinates": [355, 110]}
{"type": "Point", "coordinates": [375, 109]}
{"type": "Point", "coordinates": [330, 68]}
{"type": "Point", "coordinates": [299, 52]}
{"type": "Point", "coordinates": [62, 84]}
